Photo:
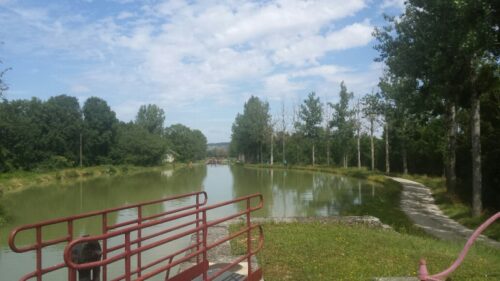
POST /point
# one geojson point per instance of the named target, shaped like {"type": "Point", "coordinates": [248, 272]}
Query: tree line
{"type": "Point", "coordinates": [58, 133]}
{"type": "Point", "coordinates": [436, 110]}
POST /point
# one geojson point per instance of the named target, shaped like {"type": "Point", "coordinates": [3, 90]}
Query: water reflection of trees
{"type": "Point", "coordinates": [38, 204]}
{"type": "Point", "coordinates": [297, 193]}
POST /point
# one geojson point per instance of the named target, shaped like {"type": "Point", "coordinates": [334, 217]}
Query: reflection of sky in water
{"type": "Point", "coordinates": [286, 194]}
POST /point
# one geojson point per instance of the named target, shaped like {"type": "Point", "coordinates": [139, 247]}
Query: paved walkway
{"type": "Point", "coordinates": [418, 204]}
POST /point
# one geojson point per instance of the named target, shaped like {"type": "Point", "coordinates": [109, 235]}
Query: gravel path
{"type": "Point", "coordinates": [418, 204]}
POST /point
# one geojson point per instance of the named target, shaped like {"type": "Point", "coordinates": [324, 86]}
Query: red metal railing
{"type": "Point", "coordinates": [200, 199]}
{"type": "Point", "coordinates": [197, 251]}
{"type": "Point", "coordinates": [423, 274]}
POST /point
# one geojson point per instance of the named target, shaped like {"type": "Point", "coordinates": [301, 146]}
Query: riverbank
{"type": "Point", "coordinates": [20, 180]}
{"type": "Point", "coordinates": [332, 251]}
{"type": "Point", "coordinates": [360, 173]}
{"type": "Point", "coordinates": [451, 206]}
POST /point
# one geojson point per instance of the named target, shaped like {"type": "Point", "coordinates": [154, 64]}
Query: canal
{"type": "Point", "coordinates": [286, 193]}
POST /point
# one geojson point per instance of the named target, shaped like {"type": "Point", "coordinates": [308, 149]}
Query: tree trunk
{"type": "Point", "coordinates": [328, 152]}
{"type": "Point", "coordinates": [476, 156]}
{"type": "Point", "coordinates": [405, 158]}
{"type": "Point", "coordinates": [450, 154]}
{"type": "Point", "coordinates": [387, 162]}
{"type": "Point", "coordinates": [359, 149]}
{"type": "Point", "coordinates": [283, 148]}
{"type": "Point", "coordinates": [272, 149]}
{"type": "Point", "coordinates": [372, 145]}
{"type": "Point", "coordinates": [313, 155]}
{"type": "Point", "coordinates": [261, 159]}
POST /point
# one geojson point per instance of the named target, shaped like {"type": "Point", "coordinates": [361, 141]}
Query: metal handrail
{"type": "Point", "coordinates": [40, 243]}
{"type": "Point", "coordinates": [202, 247]}
{"type": "Point", "coordinates": [423, 274]}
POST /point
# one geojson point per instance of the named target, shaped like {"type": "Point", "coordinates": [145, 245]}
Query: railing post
{"type": "Point", "coordinates": [197, 225]}
{"type": "Point", "coordinates": [127, 256]}
{"type": "Point", "coordinates": [104, 246]}
{"type": "Point", "coordinates": [39, 253]}
{"type": "Point", "coordinates": [249, 239]}
{"type": "Point", "coordinates": [71, 272]}
{"type": "Point", "coordinates": [205, 237]}
{"type": "Point", "coordinates": [139, 237]}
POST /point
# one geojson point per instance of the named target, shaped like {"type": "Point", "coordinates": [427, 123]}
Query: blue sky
{"type": "Point", "coordinates": [198, 60]}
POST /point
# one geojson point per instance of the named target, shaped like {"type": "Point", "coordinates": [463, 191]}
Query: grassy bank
{"type": "Point", "coordinates": [315, 251]}
{"type": "Point", "coordinates": [19, 180]}
{"type": "Point", "coordinates": [361, 173]}
{"type": "Point", "coordinates": [451, 206]}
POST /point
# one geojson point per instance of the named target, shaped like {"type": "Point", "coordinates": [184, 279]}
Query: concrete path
{"type": "Point", "coordinates": [418, 204]}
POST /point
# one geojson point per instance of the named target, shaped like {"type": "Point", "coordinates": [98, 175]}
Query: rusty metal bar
{"type": "Point", "coordinates": [204, 228]}
{"type": "Point", "coordinates": [39, 244]}
{"type": "Point", "coordinates": [137, 246]}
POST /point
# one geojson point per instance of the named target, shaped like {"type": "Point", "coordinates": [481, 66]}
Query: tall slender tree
{"type": "Point", "coordinates": [451, 49]}
{"type": "Point", "coordinates": [371, 111]}
{"type": "Point", "coordinates": [310, 115]}
{"type": "Point", "coordinates": [151, 117]}
{"type": "Point", "coordinates": [342, 122]}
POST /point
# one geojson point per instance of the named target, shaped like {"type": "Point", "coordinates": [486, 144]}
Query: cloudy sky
{"type": "Point", "coordinates": [198, 60]}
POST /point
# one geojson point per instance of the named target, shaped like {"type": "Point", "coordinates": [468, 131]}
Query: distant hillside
{"type": "Point", "coordinates": [222, 145]}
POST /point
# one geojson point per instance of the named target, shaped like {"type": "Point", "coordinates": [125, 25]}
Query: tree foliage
{"type": "Point", "coordinates": [99, 126]}
{"type": "Point", "coordinates": [449, 50]}
{"type": "Point", "coordinates": [151, 117]}
{"type": "Point", "coordinates": [187, 144]}
{"type": "Point", "coordinates": [250, 130]}
{"type": "Point", "coordinates": [45, 135]}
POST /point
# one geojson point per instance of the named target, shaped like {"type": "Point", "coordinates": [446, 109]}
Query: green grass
{"type": "Point", "coordinates": [19, 180]}
{"type": "Point", "coordinates": [360, 173]}
{"type": "Point", "coordinates": [315, 251]}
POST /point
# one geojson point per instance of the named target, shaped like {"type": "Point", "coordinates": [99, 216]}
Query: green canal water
{"type": "Point", "coordinates": [286, 193]}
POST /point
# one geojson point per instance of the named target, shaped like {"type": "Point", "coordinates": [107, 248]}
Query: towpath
{"type": "Point", "coordinates": [418, 204]}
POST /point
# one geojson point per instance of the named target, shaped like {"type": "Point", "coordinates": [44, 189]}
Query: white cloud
{"type": "Point", "coordinates": [400, 4]}
{"type": "Point", "coordinates": [308, 50]}
{"type": "Point", "coordinates": [176, 53]}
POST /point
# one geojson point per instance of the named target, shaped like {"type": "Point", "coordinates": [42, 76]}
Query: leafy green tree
{"type": "Point", "coordinates": [451, 49]}
{"type": "Point", "coordinates": [342, 122]}
{"type": "Point", "coordinates": [250, 130]}
{"type": "Point", "coordinates": [151, 117]}
{"type": "Point", "coordinates": [310, 115]}
{"type": "Point", "coordinates": [136, 145]}
{"type": "Point", "coordinates": [190, 145]}
{"type": "Point", "coordinates": [372, 109]}
{"type": "Point", "coordinates": [99, 126]}
{"type": "Point", "coordinates": [21, 131]}
{"type": "Point", "coordinates": [63, 126]}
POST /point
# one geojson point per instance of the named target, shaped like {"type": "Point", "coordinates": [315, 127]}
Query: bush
{"type": "Point", "coordinates": [71, 174]}
{"type": "Point", "coordinates": [54, 163]}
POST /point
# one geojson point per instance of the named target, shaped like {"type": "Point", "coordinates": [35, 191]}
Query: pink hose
{"type": "Point", "coordinates": [423, 274]}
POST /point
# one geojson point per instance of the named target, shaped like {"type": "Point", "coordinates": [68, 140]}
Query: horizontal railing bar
{"type": "Point", "coordinates": [170, 265]}
{"type": "Point", "coordinates": [242, 258]}
{"type": "Point", "coordinates": [118, 225]}
{"type": "Point", "coordinates": [14, 233]}
{"type": "Point", "coordinates": [71, 264]}
{"type": "Point", "coordinates": [178, 216]}
{"type": "Point", "coordinates": [151, 264]}
{"type": "Point", "coordinates": [136, 241]}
